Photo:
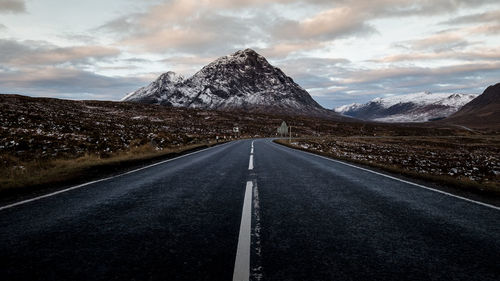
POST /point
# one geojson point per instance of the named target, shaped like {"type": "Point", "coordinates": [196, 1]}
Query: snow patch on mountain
{"type": "Point", "coordinates": [348, 107]}
{"type": "Point", "coordinates": [426, 98]}
{"type": "Point", "coordinates": [417, 107]}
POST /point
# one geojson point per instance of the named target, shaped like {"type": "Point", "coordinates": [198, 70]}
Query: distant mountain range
{"type": "Point", "coordinates": [419, 107]}
{"type": "Point", "coordinates": [483, 111]}
{"type": "Point", "coordinates": [244, 80]}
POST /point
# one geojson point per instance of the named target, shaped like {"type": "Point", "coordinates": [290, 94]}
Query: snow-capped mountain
{"type": "Point", "coordinates": [418, 107]}
{"type": "Point", "coordinates": [243, 80]}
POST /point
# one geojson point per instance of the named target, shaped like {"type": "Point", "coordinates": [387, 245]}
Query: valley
{"type": "Point", "coordinates": [52, 142]}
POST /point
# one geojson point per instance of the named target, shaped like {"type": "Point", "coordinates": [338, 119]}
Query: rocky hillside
{"type": "Point", "coordinates": [483, 111]}
{"type": "Point", "coordinates": [244, 80]}
{"type": "Point", "coordinates": [419, 107]}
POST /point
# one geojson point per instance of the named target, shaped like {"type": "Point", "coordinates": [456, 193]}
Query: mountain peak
{"type": "Point", "coordinates": [170, 77]}
{"type": "Point", "coordinates": [247, 52]}
{"type": "Point", "coordinates": [243, 57]}
{"type": "Point", "coordinates": [242, 80]}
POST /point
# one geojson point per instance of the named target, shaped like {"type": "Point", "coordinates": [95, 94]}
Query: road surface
{"type": "Point", "coordinates": [250, 210]}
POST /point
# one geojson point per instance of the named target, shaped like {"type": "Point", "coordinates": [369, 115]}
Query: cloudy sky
{"type": "Point", "coordinates": [340, 51]}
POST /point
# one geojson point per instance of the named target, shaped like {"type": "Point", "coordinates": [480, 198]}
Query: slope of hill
{"type": "Point", "coordinates": [419, 107]}
{"type": "Point", "coordinates": [243, 81]}
{"type": "Point", "coordinates": [483, 111]}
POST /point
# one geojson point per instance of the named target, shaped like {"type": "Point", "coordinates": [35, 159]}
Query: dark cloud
{"type": "Point", "coordinates": [314, 72]}
{"type": "Point", "coordinates": [420, 7]}
{"type": "Point", "coordinates": [328, 25]}
{"type": "Point", "coordinates": [67, 83]}
{"type": "Point", "coordinates": [10, 49]}
{"type": "Point", "coordinates": [489, 16]}
{"type": "Point", "coordinates": [479, 54]}
{"type": "Point", "coordinates": [122, 26]}
{"type": "Point", "coordinates": [17, 54]}
{"type": "Point", "coordinates": [12, 6]}
{"type": "Point", "coordinates": [40, 68]}
{"type": "Point", "coordinates": [438, 42]}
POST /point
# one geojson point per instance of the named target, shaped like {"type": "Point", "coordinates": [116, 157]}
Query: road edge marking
{"type": "Point", "coordinates": [242, 260]}
{"type": "Point", "coordinates": [398, 179]}
{"type": "Point", "coordinates": [101, 180]}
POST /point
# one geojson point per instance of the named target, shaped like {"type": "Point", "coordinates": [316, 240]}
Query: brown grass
{"type": "Point", "coordinates": [37, 174]}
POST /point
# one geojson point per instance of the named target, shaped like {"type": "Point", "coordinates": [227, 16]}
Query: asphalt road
{"type": "Point", "coordinates": [281, 215]}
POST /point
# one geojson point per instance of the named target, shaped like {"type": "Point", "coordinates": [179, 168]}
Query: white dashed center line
{"type": "Point", "coordinates": [242, 262]}
{"type": "Point", "coordinates": [250, 162]}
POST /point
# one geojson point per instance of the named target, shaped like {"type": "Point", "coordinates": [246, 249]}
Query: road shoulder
{"type": "Point", "coordinates": [457, 190]}
{"type": "Point", "coordinates": [94, 173]}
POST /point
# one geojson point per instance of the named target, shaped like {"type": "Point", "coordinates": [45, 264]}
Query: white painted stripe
{"type": "Point", "coordinates": [101, 180]}
{"type": "Point", "coordinates": [405, 181]}
{"type": "Point", "coordinates": [250, 163]}
{"type": "Point", "coordinates": [251, 151]}
{"type": "Point", "coordinates": [252, 144]}
{"type": "Point", "coordinates": [242, 262]}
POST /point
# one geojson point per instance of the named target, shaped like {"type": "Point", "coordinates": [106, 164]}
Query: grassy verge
{"type": "Point", "coordinates": [488, 188]}
{"type": "Point", "coordinates": [39, 176]}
